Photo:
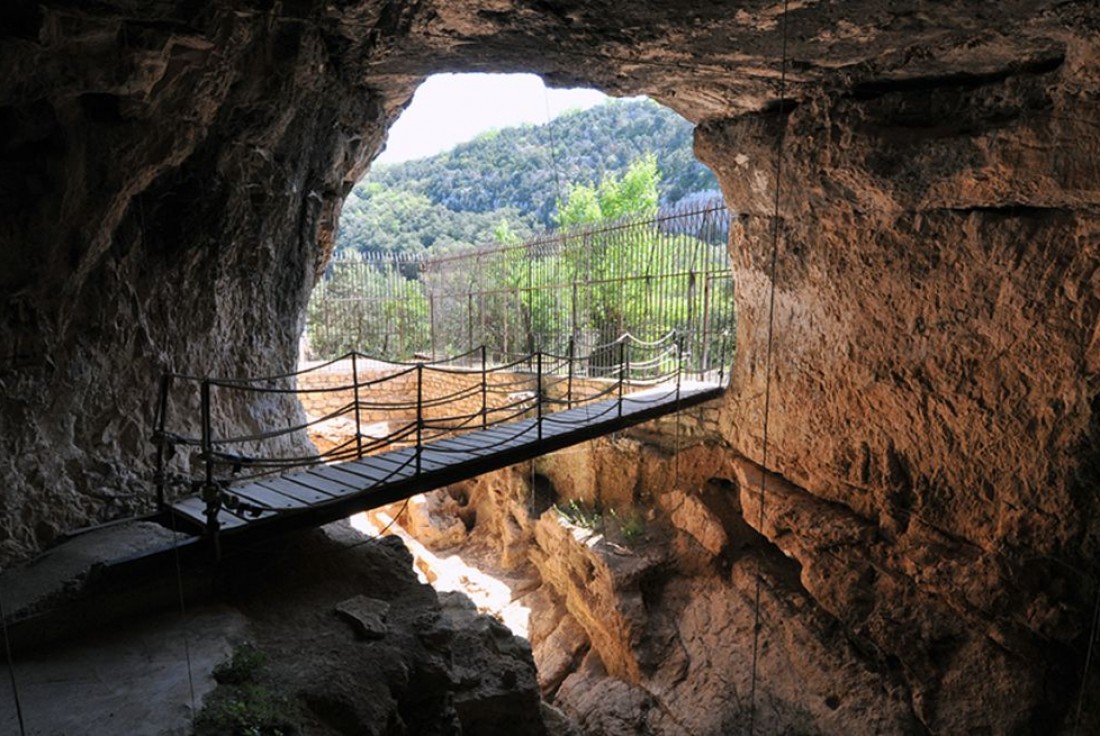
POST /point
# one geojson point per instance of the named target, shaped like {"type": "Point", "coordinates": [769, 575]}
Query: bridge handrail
{"type": "Point", "coordinates": [536, 388]}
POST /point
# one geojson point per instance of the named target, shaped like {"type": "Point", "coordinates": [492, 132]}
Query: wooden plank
{"type": "Point", "coordinates": [265, 497]}
{"type": "Point", "coordinates": [301, 493]}
{"type": "Point", "coordinates": [398, 458]}
{"type": "Point", "coordinates": [194, 508]}
{"type": "Point", "coordinates": [355, 483]}
{"type": "Point", "coordinates": [310, 479]}
{"type": "Point", "coordinates": [506, 433]}
{"type": "Point", "coordinates": [446, 460]}
{"type": "Point", "coordinates": [455, 454]}
{"type": "Point", "coordinates": [371, 472]}
{"type": "Point", "coordinates": [469, 442]}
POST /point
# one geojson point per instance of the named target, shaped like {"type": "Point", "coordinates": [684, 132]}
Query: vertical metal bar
{"type": "Point", "coordinates": [470, 319]}
{"type": "Point", "coordinates": [419, 414]}
{"type": "Point", "coordinates": [679, 363]}
{"type": "Point", "coordinates": [431, 322]}
{"type": "Point", "coordinates": [538, 393]}
{"type": "Point", "coordinates": [207, 432]}
{"type": "Point", "coordinates": [691, 337]}
{"type": "Point", "coordinates": [722, 369]}
{"type": "Point", "coordinates": [358, 422]}
{"type": "Point", "coordinates": [569, 380]}
{"type": "Point", "coordinates": [484, 389]}
{"type": "Point", "coordinates": [160, 477]}
{"type": "Point", "coordinates": [211, 493]}
{"type": "Point", "coordinates": [705, 346]}
{"type": "Point", "coordinates": [622, 372]}
{"type": "Point", "coordinates": [573, 318]}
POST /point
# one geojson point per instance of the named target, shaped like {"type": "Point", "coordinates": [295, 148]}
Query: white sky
{"type": "Point", "coordinates": [449, 109]}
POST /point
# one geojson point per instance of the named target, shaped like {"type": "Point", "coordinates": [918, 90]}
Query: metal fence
{"type": "Point", "coordinates": [567, 293]}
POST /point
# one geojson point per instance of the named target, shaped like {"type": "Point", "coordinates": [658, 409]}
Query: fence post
{"type": "Point", "coordinates": [569, 379]}
{"type": "Point", "coordinates": [484, 390]}
{"type": "Point", "coordinates": [470, 319]}
{"type": "Point", "coordinates": [358, 424]}
{"type": "Point", "coordinates": [210, 491]}
{"type": "Point", "coordinates": [725, 347]}
{"type": "Point", "coordinates": [159, 476]}
{"type": "Point", "coordinates": [419, 413]}
{"type": "Point", "coordinates": [538, 392]}
{"type": "Point", "coordinates": [679, 362]}
{"type": "Point", "coordinates": [622, 372]}
{"type": "Point", "coordinates": [431, 321]}
{"type": "Point", "coordinates": [705, 346]}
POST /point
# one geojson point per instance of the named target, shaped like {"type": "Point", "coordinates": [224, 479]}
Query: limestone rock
{"type": "Point", "coordinates": [690, 515]}
{"type": "Point", "coordinates": [366, 615]}
{"type": "Point", "coordinates": [496, 692]}
{"type": "Point", "coordinates": [171, 176]}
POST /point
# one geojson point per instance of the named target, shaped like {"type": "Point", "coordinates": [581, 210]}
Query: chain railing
{"type": "Point", "coordinates": [419, 403]}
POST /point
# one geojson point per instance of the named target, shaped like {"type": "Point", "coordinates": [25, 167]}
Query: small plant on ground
{"type": "Point", "coordinates": [243, 666]}
{"type": "Point", "coordinates": [582, 515]}
{"type": "Point", "coordinates": [630, 524]}
{"type": "Point", "coordinates": [244, 704]}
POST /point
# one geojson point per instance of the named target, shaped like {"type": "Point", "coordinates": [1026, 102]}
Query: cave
{"type": "Point", "coordinates": [917, 293]}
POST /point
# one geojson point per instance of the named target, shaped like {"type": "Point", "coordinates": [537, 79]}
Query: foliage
{"type": "Point", "coordinates": [500, 188]}
{"type": "Point", "coordinates": [581, 289]}
{"type": "Point", "coordinates": [629, 525]}
{"type": "Point", "coordinates": [374, 308]}
{"type": "Point", "coordinates": [457, 198]}
{"type": "Point", "coordinates": [581, 515]}
{"type": "Point", "coordinates": [244, 704]}
{"type": "Point", "coordinates": [243, 666]}
{"type": "Point", "coordinates": [634, 195]}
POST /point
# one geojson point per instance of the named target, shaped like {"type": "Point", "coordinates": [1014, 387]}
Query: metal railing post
{"type": "Point", "coordinates": [622, 372]}
{"type": "Point", "coordinates": [419, 414]}
{"type": "Point", "coordinates": [160, 476]}
{"type": "Point", "coordinates": [679, 362]}
{"type": "Point", "coordinates": [538, 393]}
{"type": "Point", "coordinates": [210, 492]}
{"type": "Point", "coordinates": [431, 321]}
{"type": "Point", "coordinates": [358, 423]}
{"type": "Point", "coordinates": [569, 379]}
{"type": "Point", "coordinates": [725, 347]}
{"type": "Point", "coordinates": [484, 389]}
{"type": "Point", "coordinates": [705, 347]}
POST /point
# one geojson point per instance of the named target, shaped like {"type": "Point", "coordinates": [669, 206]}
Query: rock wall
{"type": "Point", "coordinates": [171, 173]}
{"type": "Point", "coordinates": [933, 381]}
{"type": "Point", "coordinates": [170, 184]}
{"type": "Point", "coordinates": [649, 574]}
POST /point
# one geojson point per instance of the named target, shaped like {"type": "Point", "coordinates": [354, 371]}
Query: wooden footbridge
{"type": "Point", "coordinates": [411, 428]}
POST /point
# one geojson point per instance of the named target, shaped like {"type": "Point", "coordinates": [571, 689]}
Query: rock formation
{"type": "Point", "coordinates": [171, 174]}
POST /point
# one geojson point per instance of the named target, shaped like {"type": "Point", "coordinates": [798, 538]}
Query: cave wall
{"type": "Point", "coordinates": [937, 305]}
{"type": "Point", "coordinates": [170, 184]}
{"type": "Point", "coordinates": [172, 173]}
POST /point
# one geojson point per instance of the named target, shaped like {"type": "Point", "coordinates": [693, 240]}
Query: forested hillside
{"type": "Point", "coordinates": [462, 196]}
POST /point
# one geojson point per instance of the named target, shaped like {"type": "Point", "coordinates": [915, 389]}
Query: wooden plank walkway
{"type": "Point", "coordinates": [325, 493]}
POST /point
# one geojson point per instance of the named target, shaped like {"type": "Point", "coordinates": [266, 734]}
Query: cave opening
{"type": "Point", "coordinates": [481, 168]}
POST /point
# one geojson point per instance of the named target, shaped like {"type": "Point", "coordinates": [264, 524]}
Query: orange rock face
{"type": "Point", "coordinates": [170, 179]}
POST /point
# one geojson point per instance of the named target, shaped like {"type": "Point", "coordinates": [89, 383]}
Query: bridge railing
{"type": "Point", "coordinates": [388, 405]}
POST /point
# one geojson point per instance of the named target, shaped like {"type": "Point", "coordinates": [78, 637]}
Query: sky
{"type": "Point", "coordinates": [449, 109]}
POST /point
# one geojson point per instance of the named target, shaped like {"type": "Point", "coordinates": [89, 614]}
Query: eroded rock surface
{"type": "Point", "coordinates": [171, 173]}
{"type": "Point", "coordinates": [646, 626]}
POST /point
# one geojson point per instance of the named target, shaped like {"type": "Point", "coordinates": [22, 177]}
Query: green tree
{"type": "Point", "coordinates": [633, 195]}
{"type": "Point", "coordinates": [608, 263]}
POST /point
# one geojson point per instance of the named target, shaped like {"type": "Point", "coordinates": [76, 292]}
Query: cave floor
{"type": "Point", "coordinates": [141, 678]}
